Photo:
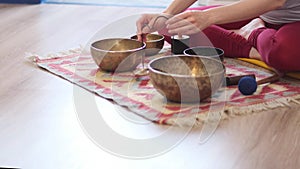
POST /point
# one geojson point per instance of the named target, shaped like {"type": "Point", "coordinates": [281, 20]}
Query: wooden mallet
{"type": "Point", "coordinates": [247, 84]}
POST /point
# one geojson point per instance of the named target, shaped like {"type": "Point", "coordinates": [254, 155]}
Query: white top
{"type": "Point", "coordinates": [289, 12]}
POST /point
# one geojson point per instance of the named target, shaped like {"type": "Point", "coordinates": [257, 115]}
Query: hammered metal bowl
{"type": "Point", "coordinates": [208, 51]}
{"type": "Point", "coordinates": [182, 78]}
{"type": "Point", "coordinates": [117, 54]}
{"type": "Point", "coordinates": [154, 43]}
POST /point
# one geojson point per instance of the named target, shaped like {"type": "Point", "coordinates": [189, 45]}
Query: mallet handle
{"type": "Point", "coordinates": [234, 80]}
{"type": "Point", "coordinates": [270, 79]}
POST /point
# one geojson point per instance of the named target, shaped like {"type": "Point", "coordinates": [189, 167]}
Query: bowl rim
{"type": "Point", "coordinates": [203, 47]}
{"type": "Point", "coordinates": [130, 50]}
{"type": "Point", "coordinates": [185, 76]}
{"type": "Point", "coordinates": [162, 37]}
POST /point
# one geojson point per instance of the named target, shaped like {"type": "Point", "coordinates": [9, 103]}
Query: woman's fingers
{"type": "Point", "coordinates": [178, 23]}
{"type": "Point", "coordinates": [189, 22]}
{"type": "Point", "coordinates": [187, 29]}
{"type": "Point", "coordinates": [143, 20]}
{"type": "Point", "coordinates": [182, 27]}
{"type": "Point", "coordinates": [178, 17]}
{"type": "Point", "coordinates": [142, 25]}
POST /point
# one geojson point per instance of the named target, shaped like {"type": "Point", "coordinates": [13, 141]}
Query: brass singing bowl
{"type": "Point", "coordinates": [117, 54]}
{"type": "Point", "coordinates": [182, 78]}
{"type": "Point", "coordinates": [154, 43]}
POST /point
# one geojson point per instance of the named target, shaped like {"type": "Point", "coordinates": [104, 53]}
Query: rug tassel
{"type": "Point", "coordinates": [200, 119]}
{"type": "Point", "coordinates": [283, 102]}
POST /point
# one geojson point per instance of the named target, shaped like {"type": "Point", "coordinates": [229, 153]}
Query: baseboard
{"type": "Point", "coordinates": [21, 1]}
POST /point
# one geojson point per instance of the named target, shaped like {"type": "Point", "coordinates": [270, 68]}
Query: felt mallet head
{"type": "Point", "coordinates": [247, 85]}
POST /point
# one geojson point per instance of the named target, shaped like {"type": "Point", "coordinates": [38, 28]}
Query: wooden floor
{"type": "Point", "coordinates": [39, 127]}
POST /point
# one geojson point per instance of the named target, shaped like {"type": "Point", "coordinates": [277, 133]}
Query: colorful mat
{"type": "Point", "coordinates": [139, 96]}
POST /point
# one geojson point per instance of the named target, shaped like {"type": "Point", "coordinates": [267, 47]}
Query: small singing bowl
{"type": "Point", "coordinates": [182, 78]}
{"type": "Point", "coordinates": [208, 51]}
{"type": "Point", "coordinates": [117, 54]}
{"type": "Point", "coordinates": [154, 43]}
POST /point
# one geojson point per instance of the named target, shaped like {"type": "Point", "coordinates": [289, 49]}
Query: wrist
{"type": "Point", "coordinates": [211, 18]}
{"type": "Point", "coordinates": [168, 12]}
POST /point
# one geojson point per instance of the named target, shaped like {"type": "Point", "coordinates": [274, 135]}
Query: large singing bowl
{"type": "Point", "coordinates": [182, 78]}
{"type": "Point", "coordinates": [154, 43]}
{"type": "Point", "coordinates": [117, 54]}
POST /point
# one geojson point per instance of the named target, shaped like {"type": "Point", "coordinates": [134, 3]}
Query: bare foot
{"type": "Point", "coordinates": [254, 54]}
{"type": "Point", "coordinates": [246, 30]}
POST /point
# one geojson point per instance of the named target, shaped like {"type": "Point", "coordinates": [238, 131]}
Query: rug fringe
{"type": "Point", "coordinates": [282, 102]}
{"type": "Point", "coordinates": [33, 57]}
{"type": "Point", "coordinates": [200, 119]}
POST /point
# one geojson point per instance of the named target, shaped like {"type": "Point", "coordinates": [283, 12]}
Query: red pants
{"type": "Point", "coordinates": [278, 45]}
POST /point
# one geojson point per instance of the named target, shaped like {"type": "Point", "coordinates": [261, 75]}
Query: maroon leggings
{"type": "Point", "coordinates": [278, 45]}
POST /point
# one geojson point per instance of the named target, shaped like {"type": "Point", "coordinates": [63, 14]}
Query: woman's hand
{"type": "Point", "coordinates": [148, 23]}
{"type": "Point", "coordinates": [188, 22]}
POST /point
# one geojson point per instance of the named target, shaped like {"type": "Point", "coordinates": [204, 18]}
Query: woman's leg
{"type": "Point", "coordinates": [279, 48]}
{"type": "Point", "coordinates": [234, 45]}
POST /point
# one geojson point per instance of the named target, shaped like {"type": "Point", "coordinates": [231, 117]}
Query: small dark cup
{"type": "Point", "coordinates": [207, 51]}
{"type": "Point", "coordinates": [179, 44]}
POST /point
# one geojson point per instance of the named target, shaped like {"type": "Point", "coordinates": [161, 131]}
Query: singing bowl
{"type": "Point", "coordinates": [117, 54]}
{"type": "Point", "coordinates": [208, 51]}
{"type": "Point", "coordinates": [154, 43]}
{"type": "Point", "coordinates": [182, 78]}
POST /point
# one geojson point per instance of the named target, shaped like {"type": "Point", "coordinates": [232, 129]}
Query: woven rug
{"type": "Point", "coordinates": [140, 97]}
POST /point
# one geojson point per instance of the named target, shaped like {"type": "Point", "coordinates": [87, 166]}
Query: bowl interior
{"type": "Point", "coordinates": [117, 45]}
{"type": "Point", "coordinates": [186, 66]}
{"type": "Point", "coordinates": [151, 37]}
{"type": "Point", "coordinates": [205, 51]}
